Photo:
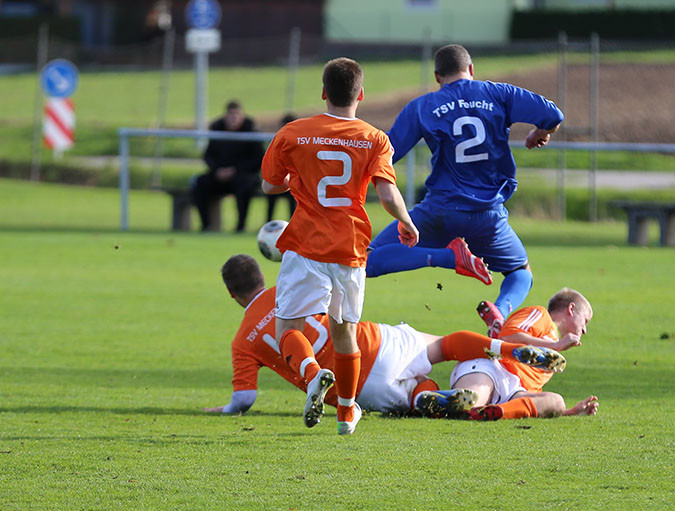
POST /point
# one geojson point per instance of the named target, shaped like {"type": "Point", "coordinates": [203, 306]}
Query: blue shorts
{"type": "Point", "coordinates": [488, 232]}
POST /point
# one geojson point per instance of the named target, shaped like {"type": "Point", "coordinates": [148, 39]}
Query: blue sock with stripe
{"type": "Point", "coordinates": [514, 290]}
{"type": "Point", "coordinates": [397, 257]}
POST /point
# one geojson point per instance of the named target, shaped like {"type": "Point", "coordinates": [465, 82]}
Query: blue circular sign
{"type": "Point", "coordinates": [202, 14]}
{"type": "Point", "coordinates": [59, 78]}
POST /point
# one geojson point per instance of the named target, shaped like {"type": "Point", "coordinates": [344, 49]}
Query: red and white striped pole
{"type": "Point", "coordinates": [58, 125]}
{"type": "Point", "coordinates": [58, 79]}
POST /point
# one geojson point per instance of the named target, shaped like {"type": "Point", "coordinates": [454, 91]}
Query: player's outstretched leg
{"type": "Point", "coordinates": [445, 403]}
{"type": "Point", "coordinates": [541, 358]}
{"type": "Point", "coordinates": [348, 427]}
{"type": "Point", "coordinates": [492, 316]}
{"type": "Point", "coordinates": [468, 264]}
{"type": "Point", "coordinates": [316, 392]}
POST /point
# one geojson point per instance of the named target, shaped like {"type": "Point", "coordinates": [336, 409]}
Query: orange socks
{"type": "Point", "coordinates": [347, 370]}
{"type": "Point", "coordinates": [421, 387]}
{"type": "Point", "coordinates": [521, 408]}
{"type": "Point", "coordinates": [298, 353]}
{"type": "Point", "coordinates": [465, 345]}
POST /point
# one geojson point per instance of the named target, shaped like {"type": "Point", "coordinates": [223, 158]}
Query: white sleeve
{"type": "Point", "coordinates": [241, 401]}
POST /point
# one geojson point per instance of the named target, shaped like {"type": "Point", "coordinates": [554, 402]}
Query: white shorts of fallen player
{"type": "Point", "coordinates": [402, 356]}
{"type": "Point", "coordinates": [506, 384]}
{"type": "Point", "coordinates": [306, 287]}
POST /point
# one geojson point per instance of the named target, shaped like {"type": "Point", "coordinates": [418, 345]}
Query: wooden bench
{"type": "Point", "coordinates": [181, 202]}
{"type": "Point", "coordinates": [639, 214]}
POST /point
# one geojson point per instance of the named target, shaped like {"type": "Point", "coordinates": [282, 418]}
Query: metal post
{"type": "Point", "coordinates": [167, 65]}
{"type": "Point", "coordinates": [201, 100]}
{"type": "Point", "coordinates": [562, 97]}
{"type": "Point", "coordinates": [293, 63]}
{"type": "Point", "coordinates": [410, 178]}
{"type": "Point", "coordinates": [426, 60]}
{"type": "Point", "coordinates": [124, 180]}
{"type": "Point", "coordinates": [595, 88]}
{"type": "Point", "coordinates": [42, 53]}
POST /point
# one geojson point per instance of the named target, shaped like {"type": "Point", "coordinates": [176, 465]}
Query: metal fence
{"type": "Point", "coordinates": [616, 92]}
{"type": "Point", "coordinates": [609, 90]}
{"type": "Point", "coordinates": [125, 134]}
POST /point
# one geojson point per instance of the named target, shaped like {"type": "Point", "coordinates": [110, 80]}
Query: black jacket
{"type": "Point", "coordinates": [246, 157]}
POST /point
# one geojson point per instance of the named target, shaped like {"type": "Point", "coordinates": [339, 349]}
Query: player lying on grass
{"type": "Point", "coordinates": [511, 390]}
{"type": "Point", "coordinates": [396, 359]}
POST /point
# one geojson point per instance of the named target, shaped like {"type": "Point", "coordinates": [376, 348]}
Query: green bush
{"type": "Point", "coordinates": [611, 24]}
{"type": "Point", "coordinates": [543, 202]}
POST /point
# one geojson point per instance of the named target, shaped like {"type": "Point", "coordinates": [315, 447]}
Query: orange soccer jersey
{"type": "Point", "coordinates": [254, 346]}
{"type": "Point", "coordinates": [537, 322]}
{"type": "Point", "coordinates": [330, 161]}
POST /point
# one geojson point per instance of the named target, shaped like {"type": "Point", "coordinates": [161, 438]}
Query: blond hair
{"type": "Point", "coordinates": [564, 297]}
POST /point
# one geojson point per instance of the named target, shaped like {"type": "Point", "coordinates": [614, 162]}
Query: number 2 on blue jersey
{"type": "Point", "coordinates": [461, 148]}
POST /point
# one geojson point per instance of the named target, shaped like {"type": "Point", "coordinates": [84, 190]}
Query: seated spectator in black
{"type": "Point", "coordinates": [272, 199]}
{"type": "Point", "coordinates": [234, 167]}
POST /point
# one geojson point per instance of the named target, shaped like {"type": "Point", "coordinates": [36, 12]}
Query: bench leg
{"type": "Point", "coordinates": [638, 233]}
{"type": "Point", "coordinates": [214, 214]}
{"type": "Point", "coordinates": [180, 214]}
{"type": "Point", "coordinates": [668, 230]}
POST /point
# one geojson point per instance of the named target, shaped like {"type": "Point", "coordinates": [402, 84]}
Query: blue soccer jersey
{"type": "Point", "coordinates": [466, 125]}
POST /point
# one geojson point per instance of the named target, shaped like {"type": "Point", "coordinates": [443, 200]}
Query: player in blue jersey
{"type": "Point", "coordinates": [466, 125]}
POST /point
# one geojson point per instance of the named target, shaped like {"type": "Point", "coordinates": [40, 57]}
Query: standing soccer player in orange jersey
{"type": "Point", "coordinates": [327, 162]}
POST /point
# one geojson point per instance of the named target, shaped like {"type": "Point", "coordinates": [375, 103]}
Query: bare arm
{"type": "Point", "coordinates": [393, 203]}
{"type": "Point", "coordinates": [271, 189]}
{"type": "Point", "coordinates": [538, 137]}
{"type": "Point", "coordinates": [569, 341]}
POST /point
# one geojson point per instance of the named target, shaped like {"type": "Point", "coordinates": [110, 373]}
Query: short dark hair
{"type": "Point", "coordinates": [562, 299]}
{"type": "Point", "coordinates": [242, 275]}
{"type": "Point", "coordinates": [342, 79]}
{"type": "Point", "coordinates": [451, 59]}
{"type": "Point", "coordinates": [287, 118]}
{"type": "Point", "coordinates": [233, 104]}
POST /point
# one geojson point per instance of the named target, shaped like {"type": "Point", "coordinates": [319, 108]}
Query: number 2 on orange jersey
{"type": "Point", "coordinates": [334, 202]}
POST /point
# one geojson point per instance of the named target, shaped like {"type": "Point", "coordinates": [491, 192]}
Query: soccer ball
{"type": "Point", "coordinates": [267, 239]}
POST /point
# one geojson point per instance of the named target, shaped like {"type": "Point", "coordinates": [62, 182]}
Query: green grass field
{"type": "Point", "coordinates": [111, 343]}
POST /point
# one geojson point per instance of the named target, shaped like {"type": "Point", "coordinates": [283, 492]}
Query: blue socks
{"type": "Point", "coordinates": [397, 257]}
{"type": "Point", "coordinates": [514, 290]}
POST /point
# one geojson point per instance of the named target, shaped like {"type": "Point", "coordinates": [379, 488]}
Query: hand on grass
{"type": "Point", "coordinates": [588, 406]}
{"type": "Point", "coordinates": [217, 409]}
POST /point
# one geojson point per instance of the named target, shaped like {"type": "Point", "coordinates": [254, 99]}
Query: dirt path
{"type": "Point", "coordinates": [637, 102]}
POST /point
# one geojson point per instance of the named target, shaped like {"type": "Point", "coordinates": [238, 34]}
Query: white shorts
{"type": "Point", "coordinates": [306, 287]}
{"type": "Point", "coordinates": [402, 356]}
{"type": "Point", "coordinates": [506, 384]}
